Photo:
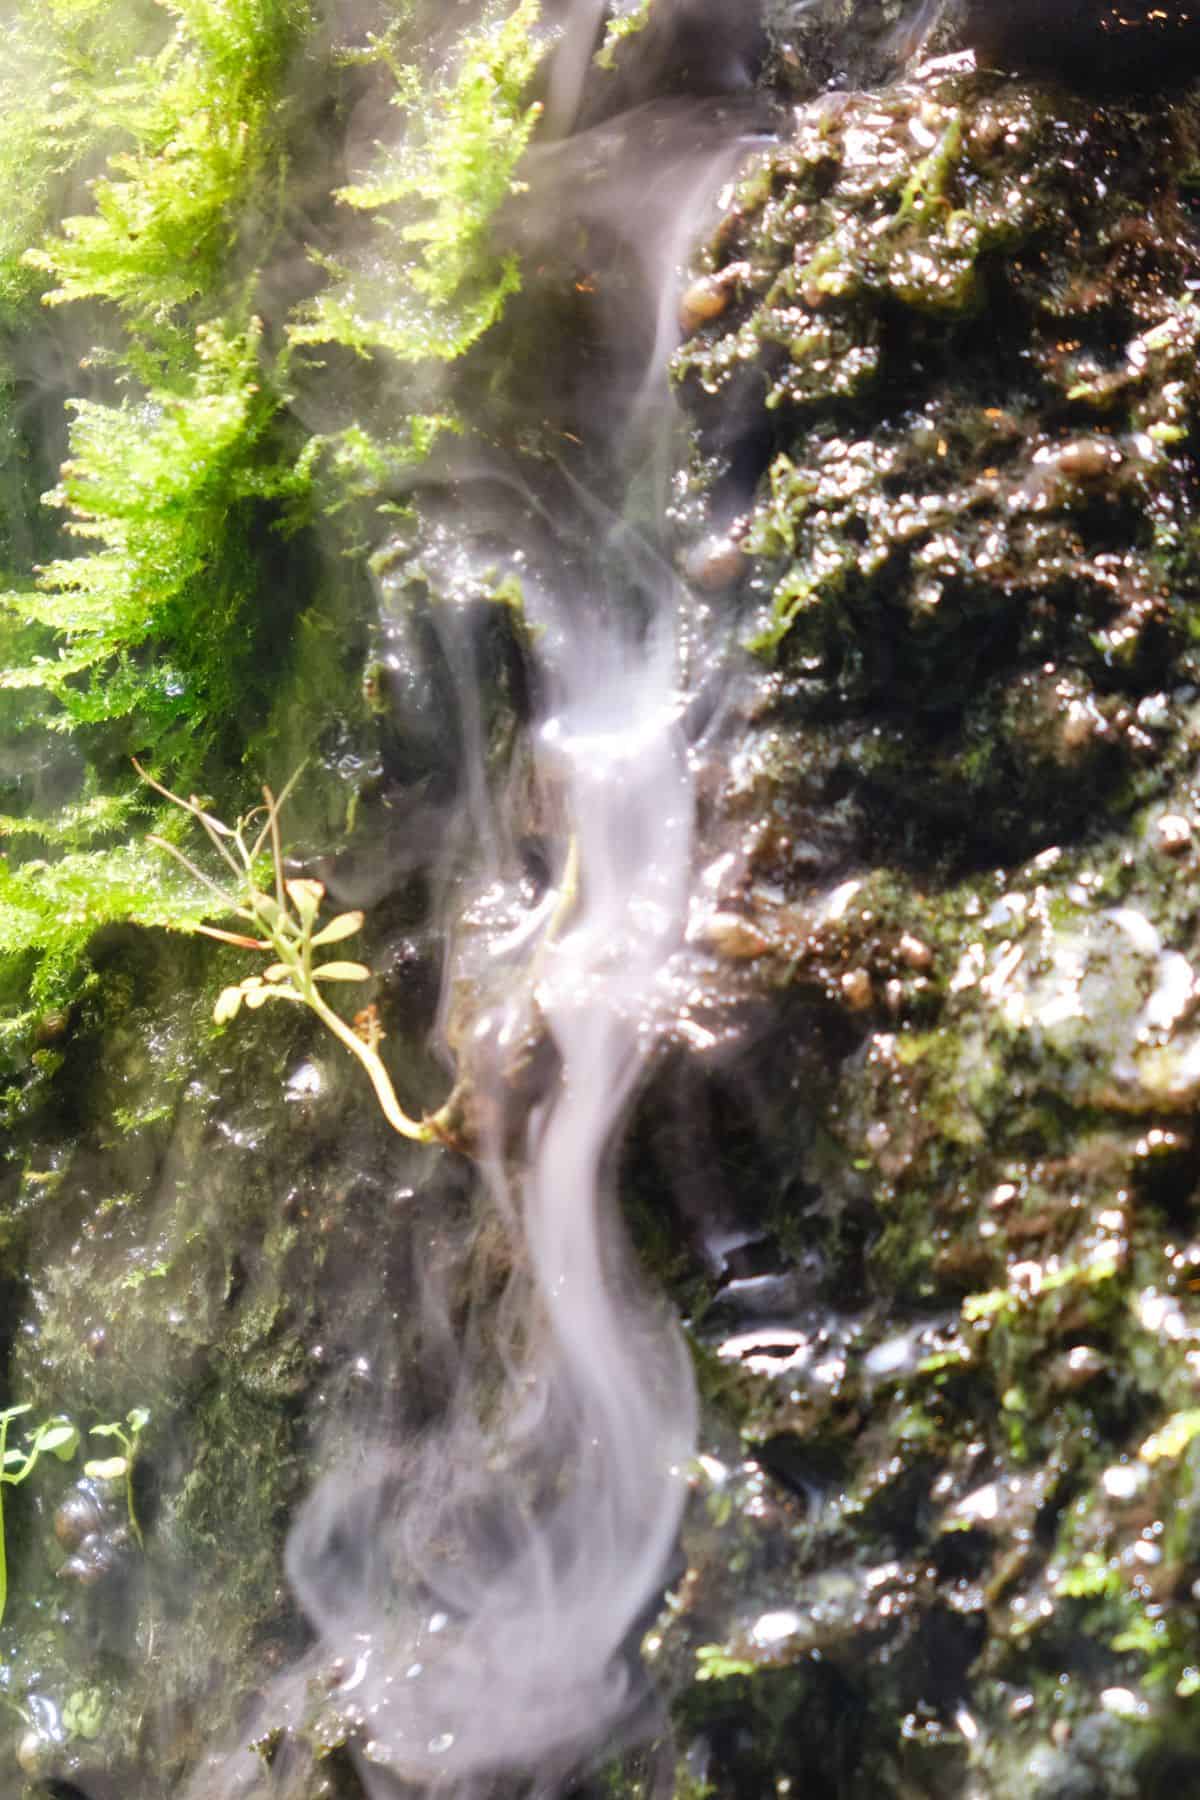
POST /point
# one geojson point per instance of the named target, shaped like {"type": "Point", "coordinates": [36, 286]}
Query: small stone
{"type": "Point", "coordinates": [714, 563]}
{"type": "Point", "coordinates": [1080, 1365]}
{"type": "Point", "coordinates": [912, 951]}
{"type": "Point", "coordinates": [34, 1753]}
{"type": "Point", "coordinates": [1080, 725]}
{"type": "Point", "coordinates": [702, 300]}
{"type": "Point", "coordinates": [731, 935]}
{"type": "Point", "coordinates": [1087, 458]}
{"type": "Point", "coordinates": [52, 1026]}
{"type": "Point", "coordinates": [1173, 833]}
{"type": "Point", "coordinates": [856, 989]}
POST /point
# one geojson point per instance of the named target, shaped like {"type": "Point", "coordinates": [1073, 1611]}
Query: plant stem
{"type": "Point", "coordinates": [130, 1452]}
{"type": "Point", "coordinates": [5, 1421]}
{"type": "Point", "coordinates": [424, 1132]}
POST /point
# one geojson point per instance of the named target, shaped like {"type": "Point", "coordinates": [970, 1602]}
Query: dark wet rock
{"type": "Point", "coordinates": [1095, 45]}
{"type": "Point", "coordinates": [846, 44]}
{"type": "Point", "coordinates": [693, 47]}
{"type": "Point", "coordinates": [1111, 44]}
{"type": "Point", "coordinates": [957, 828]}
{"type": "Point", "coordinates": [965, 318]}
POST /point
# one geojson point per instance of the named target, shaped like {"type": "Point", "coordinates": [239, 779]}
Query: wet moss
{"type": "Point", "coordinates": [958, 843]}
{"type": "Point", "coordinates": [964, 310]}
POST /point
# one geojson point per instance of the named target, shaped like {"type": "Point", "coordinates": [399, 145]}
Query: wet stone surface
{"type": "Point", "coordinates": [946, 412]}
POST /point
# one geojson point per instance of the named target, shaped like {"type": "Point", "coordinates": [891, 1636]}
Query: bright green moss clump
{"type": "Point", "coordinates": [206, 121]}
{"type": "Point", "coordinates": [154, 607]}
{"type": "Point", "coordinates": [162, 487]}
{"type": "Point", "coordinates": [429, 285]}
{"type": "Point", "coordinates": [61, 59]}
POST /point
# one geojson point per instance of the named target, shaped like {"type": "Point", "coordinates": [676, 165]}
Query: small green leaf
{"type": "Point", "coordinates": [342, 971]}
{"type": "Point", "coordinates": [714, 1663]}
{"type": "Point", "coordinates": [83, 1713]}
{"type": "Point", "coordinates": [306, 896]}
{"type": "Point", "coordinates": [107, 1469]}
{"type": "Point", "coordinates": [1171, 1440]}
{"type": "Point", "coordinates": [344, 926]}
{"type": "Point", "coordinates": [228, 1005]}
{"type": "Point", "coordinates": [977, 1308]}
{"type": "Point", "coordinates": [266, 907]}
{"type": "Point", "coordinates": [59, 1436]}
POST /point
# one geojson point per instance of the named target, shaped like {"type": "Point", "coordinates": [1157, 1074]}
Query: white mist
{"type": "Point", "coordinates": [478, 1592]}
{"type": "Point", "coordinates": [492, 1622]}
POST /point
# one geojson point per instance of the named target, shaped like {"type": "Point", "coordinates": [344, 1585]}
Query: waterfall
{"type": "Point", "coordinates": [478, 1588]}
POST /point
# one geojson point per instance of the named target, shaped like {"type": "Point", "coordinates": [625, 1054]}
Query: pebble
{"type": "Point", "coordinates": [914, 953]}
{"type": "Point", "coordinates": [1173, 833]}
{"type": "Point", "coordinates": [856, 989]}
{"type": "Point", "coordinates": [731, 935]}
{"type": "Point", "coordinates": [702, 300]}
{"type": "Point", "coordinates": [714, 563]}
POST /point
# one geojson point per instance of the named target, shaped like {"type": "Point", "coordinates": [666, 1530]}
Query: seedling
{"type": "Point", "coordinates": [287, 929]}
{"type": "Point", "coordinates": [112, 1468]}
{"type": "Point", "coordinates": [58, 1436]}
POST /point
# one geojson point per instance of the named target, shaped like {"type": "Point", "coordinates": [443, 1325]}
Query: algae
{"type": "Point", "coordinates": [961, 832]}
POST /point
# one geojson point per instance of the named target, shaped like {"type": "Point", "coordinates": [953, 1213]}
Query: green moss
{"type": "Point", "coordinates": [203, 116]}
{"type": "Point", "coordinates": [60, 57]}
{"type": "Point", "coordinates": [165, 611]}
{"type": "Point", "coordinates": [429, 285]}
{"type": "Point", "coordinates": [152, 640]}
{"type": "Point", "coordinates": [166, 487]}
{"type": "Point", "coordinates": [620, 27]}
{"type": "Point", "coordinates": [49, 912]}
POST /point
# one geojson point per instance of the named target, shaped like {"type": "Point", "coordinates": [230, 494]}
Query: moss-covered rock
{"type": "Point", "coordinates": [944, 411]}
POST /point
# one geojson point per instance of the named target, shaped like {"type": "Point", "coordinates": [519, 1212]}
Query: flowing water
{"type": "Point", "coordinates": [478, 1588]}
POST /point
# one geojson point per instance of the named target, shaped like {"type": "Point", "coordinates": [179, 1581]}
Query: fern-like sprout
{"type": "Point", "coordinates": [288, 929]}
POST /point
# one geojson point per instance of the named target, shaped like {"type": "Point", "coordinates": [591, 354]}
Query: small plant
{"type": "Point", "coordinates": [112, 1468]}
{"type": "Point", "coordinates": [290, 932]}
{"type": "Point", "coordinates": [57, 1436]}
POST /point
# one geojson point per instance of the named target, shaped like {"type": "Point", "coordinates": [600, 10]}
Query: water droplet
{"type": "Point", "coordinates": [774, 1627]}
